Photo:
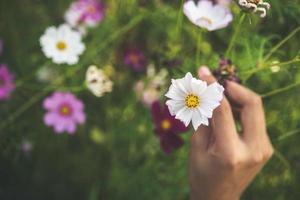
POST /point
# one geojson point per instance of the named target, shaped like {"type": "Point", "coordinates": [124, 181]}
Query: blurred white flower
{"type": "Point", "coordinates": [275, 68]}
{"type": "Point", "coordinates": [97, 81]}
{"type": "Point", "coordinates": [192, 100]}
{"type": "Point", "coordinates": [47, 74]}
{"type": "Point", "coordinates": [207, 15]}
{"type": "Point", "coordinates": [151, 89]}
{"type": "Point", "coordinates": [62, 44]}
{"type": "Point", "coordinates": [150, 95]}
{"type": "Point", "coordinates": [26, 146]}
{"type": "Point", "coordinates": [156, 79]}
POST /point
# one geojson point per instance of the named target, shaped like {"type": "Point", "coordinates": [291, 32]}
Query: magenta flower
{"type": "Point", "coordinates": [226, 71]}
{"type": "Point", "coordinates": [135, 59]}
{"type": "Point", "coordinates": [85, 12]}
{"type": "Point", "coordinates": [6, 82]}
{"type": "Point", "coordinates": [167, 128]}
{"type": "Point", "coordinates": [65, 111]}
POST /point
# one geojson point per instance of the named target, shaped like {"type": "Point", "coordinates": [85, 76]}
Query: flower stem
{"type": "Point", "coordinates": [34, 99]}
{"type": "Point", "coordinates": [199, 38]}
{"type": "Point", "coordinates": [251, 72]}
{"type": "Point", "coordinates": [179, 20]}
{"type": "Point", "coordinates": [280, 90]}
{"type": "Point", "coordinates": [235, 34]}
{"type": "Point", "coordinates": [284, 161]}
{"type": "Point", "coordinates": [289, 134]}
{"type": "Point", "coordinates": [275, 48]}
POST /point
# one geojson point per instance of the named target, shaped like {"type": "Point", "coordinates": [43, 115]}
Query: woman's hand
{"type": "Point", "coordinates": [222, 162]}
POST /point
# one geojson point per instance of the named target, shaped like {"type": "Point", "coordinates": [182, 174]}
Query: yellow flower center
{"type": "Point", "coordinates": [65, 110]}
{"type": "Point", "coordinates": [61, 45]}
{"type": "Point", "coordinates": [165, 124]}
{"type": "Point", "coordinates": [192, 101]}
{"type": "Point", "coordinates": [91, 9]}
{"type": "Point", "coordinates": [134, 58]}
{"type": "Point", "coordinates": [207, 20]}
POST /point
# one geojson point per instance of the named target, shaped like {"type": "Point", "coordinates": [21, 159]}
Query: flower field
{"type": "Point", "coordinates": [94, 102]}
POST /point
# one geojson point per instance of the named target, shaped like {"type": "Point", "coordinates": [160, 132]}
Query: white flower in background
{"type": "Point", "coordinates": [47, 74]}
{"type": "Point", "coordinates": [275, 67]}
{"type": "Point", "coordinates": [255, 6]}
{"type": "Point", "coordinates": [157, 79]}
{"type": "Point", "coordinates": [62, 44]}
{"type": "Point", "coordinates": [192, 100]}
{"type": "Point", "coordinates": [207, 15]}
{"type": "Point", "coordinates": [151, 89]}
{"type": "Point", "coordinates": [97, 81]}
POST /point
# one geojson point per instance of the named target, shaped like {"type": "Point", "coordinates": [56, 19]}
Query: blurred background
{"type": "Point", "coordinates": [140, 45]}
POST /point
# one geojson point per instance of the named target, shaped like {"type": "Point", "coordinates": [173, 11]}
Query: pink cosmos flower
{"type": "Point", "coordinates": [135, 59]}
{"type": "Point", "coordinates": [85, 12]}
{"type": "Point", "coordinates": [65, 111]}
{"type": "Point", "coordinates": [6, 82]}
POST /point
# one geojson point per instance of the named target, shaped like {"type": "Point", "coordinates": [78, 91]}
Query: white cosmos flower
{"type": "Point", "coordinates": [62, 44]}
{"type": "Point", "coordinates": [207, 15]}
{"type": "Point", "coordinates": [97, 81]}
{"type": "Point", "coordinates": [193, 100]}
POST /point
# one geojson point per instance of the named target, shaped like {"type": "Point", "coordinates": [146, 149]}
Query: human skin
{"type": "Point", "coordinates": [222, 163]}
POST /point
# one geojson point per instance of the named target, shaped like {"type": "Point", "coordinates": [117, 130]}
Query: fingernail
{"type": "Point", "coordinates": [203, 71]}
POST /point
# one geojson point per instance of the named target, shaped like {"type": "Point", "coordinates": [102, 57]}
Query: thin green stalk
{"type": "Point", "coordinates": [235, 34]}
{"type": "Point", "coordinates": [199, 37]}
{"type": "Point", "coordinates": [275, 48]}
{"type": "Point", "coordinates": [135, 21]}
{"type": "Point", "coordinates": [179, 19]}
{"type": "Point", "coordinates": [22, 109]}
{"type": "Point", "coordinates": [289, 134]}
{"type": "Point", "coordinates": [280, 157]}
{"type": "Point", "coordinates": [251, 72]}
{"type": "Point", "coordinates": [34, 100]}
{"type": "Point", "coordinates": [20, 82]}
{"type": "Point", "coordinates": [280, 90]}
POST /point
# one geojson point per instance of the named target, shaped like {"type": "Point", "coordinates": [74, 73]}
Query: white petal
{"type": "Point", "coordinates": [198, 86]}
{"type": "Point", "coordinates": [174, 106]}
{"type": "Point", "coordinates": [206, 111]}
{"type": "Point", "coordinates": [214, 92]}
{"type": "Point", "coordinates": [191, 11]}
{"type": "Point", "coordinates": [185, 115]}
{"type": "Point", "coordinates": [207, 15]}
{"type": "Point", "coordinates": [175, 93]}
{"type": "Point", "coordinates": [196, 119]}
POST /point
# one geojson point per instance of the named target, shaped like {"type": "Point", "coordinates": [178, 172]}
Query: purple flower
{"type": "Point", "coordinates": [135, 59]}
{"type": "Point", "coordinates": [226, 71]}
{"type": "Point", "coordinates": [6, 82]}
{"type": "Point", "coordinates": [65, 111]}
{"type": "Point", "coordinates": [167, 128]}
{"type": "Point", "coordinates": [85, 12]}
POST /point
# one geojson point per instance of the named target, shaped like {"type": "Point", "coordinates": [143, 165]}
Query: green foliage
{"type": "Point", "coordinates": [116, 155]}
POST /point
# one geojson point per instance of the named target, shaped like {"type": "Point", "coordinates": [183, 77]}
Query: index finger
{"type": "Point", "coordinates": [222, 121]}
